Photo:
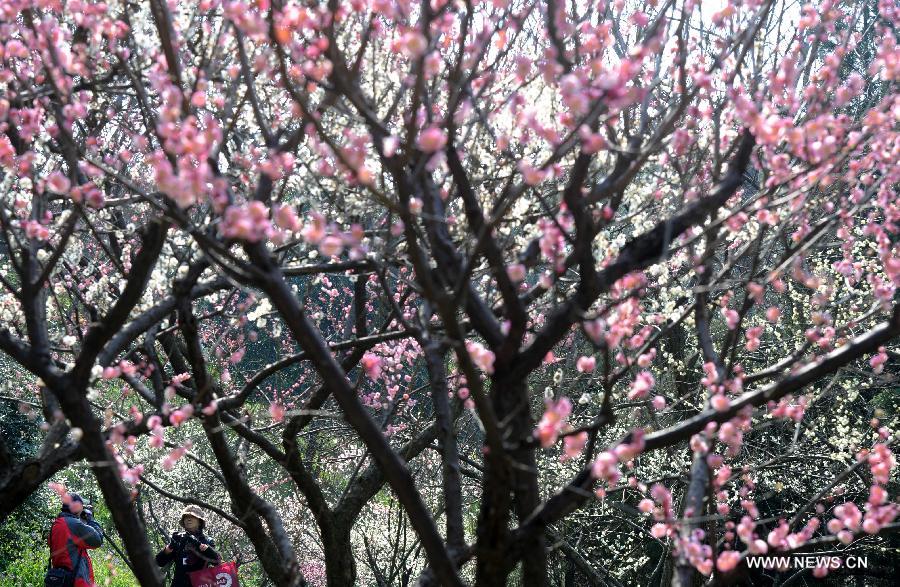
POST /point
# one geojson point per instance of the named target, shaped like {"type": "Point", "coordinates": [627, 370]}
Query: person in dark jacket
{"type": "Point", "coordinates": [73, 533]}
{"type": "Point", "coordinates": [191, 550]}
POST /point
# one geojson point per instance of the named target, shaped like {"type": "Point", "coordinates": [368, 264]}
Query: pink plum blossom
{"type": "Point", "coordinates": [642, 385]}
{"type": "Point", "coordinates": [372, 365]}
{"type": "Point", "coordinates": [482, 357]}
{"type": "Point", "coordinates": [552, 422]}
{"type": "Point", "coordinates": [432, 139]}
{"type": "Point", "coordinates": [573, 444]}
{"type": "Point", "coordinates": [586, 364]}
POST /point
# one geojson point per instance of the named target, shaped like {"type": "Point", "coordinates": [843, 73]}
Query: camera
{"type": "Point", "coordinates": [190, 540]}
{"type": "Point", "coordinates": [181, 540]}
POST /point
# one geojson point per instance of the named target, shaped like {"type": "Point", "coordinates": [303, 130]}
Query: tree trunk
{"type": "Point", "coordinates": [340, 565]}
{"type": "Point", "coordinates": [520, 475]}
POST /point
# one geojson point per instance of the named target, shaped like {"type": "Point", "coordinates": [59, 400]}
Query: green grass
{"type": "Point", "coordinates": [28, 569]}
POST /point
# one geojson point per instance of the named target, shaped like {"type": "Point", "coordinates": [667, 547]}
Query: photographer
{"type": "Point", "coordinates": [73, 532]}
{"type": "Point", "coordinates": [191, 550]}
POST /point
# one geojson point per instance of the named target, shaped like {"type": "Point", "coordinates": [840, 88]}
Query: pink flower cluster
{"type": "Point", "coordinates": [157, 432]}
{"type": "Point", "coordinates": [171, 459]}
{"type": "Point", "coordinates": [586, 364]}
{"type": "Point", "coordinates": [190, 141]}
{"type": "Point", "coordinates": [482, 357]}
{"type": "Point", "coordinates": [877, 362]}
{"type": "Point", "coordinates": [552, 241]}
{"type": "Point", "coordinates": [58, 183]}
{"type": "Point", "coordinates": [89, 194]}
{"type": "Point", "coordinates": [881, 462]}
{"type": "Point", "coordinates": [573, 444]}
{"type": "Point", "coordinates": [618, 326]}
{"type": "Point", "coordinates": [661, 507]}
{"type": "Point", "coordinates": [606, 467]}
{"type": "Point", "coordinates": [731, 435]}
{"type": "Point", "coordinates": [286, 218]}
{"type": "Point", "coordinates": [432, 139]}
{"type": "Point", "coordinates": [643, 383]}
{"type": "Point", "coordinates": [745, 531]}
{"type": "Point", "coordinates": [7, 152]}
{"type": "Point", "coordinates": [574, 96]}
{"type": "Point", "coordinates": [698, 554]}
{"type": "Point", "coordinates": [728, 560]}
{"type": "Point", "coordinates": [753, 334]}
{"type": "Point", "coordinates": [711, 377]}
{"type": "Point", "coordinates": [644, 359]}
{"type": "Point", "coordinates": [731, 317]}
{"type": "Point", "coordinates": [720, 402]}
{"type": "Point", "coordinates": [277, 411]}
{"type": "Point", "coordinates": [36, 230]}
{"type": "Point", "coordinates": [247, 222]}
{"type": "Point", "coordinates": [371, 363]}
{"type": "Point", "coordinates": [847, 521]}
{"type": "Point", "coordinates": [879, 512]}
{"type": "Point", "coordinates": [277, 165]}
{"type": "Point", "coordinates": [626, 451]}
{"type": "Point", "coordinates": [628, 284]}
{"type": "Point", "coordinates": [181, 415]}
{"type": "Point", "coordinates": [788, 408]}
{"type": "Point", "coordinates": [781, 537]}
{"type": "Point", "coordinates": [131, 475]}
{"type": "Point", "coordinates": [389, 366]}
{"type": "Point", "coordinates": [553, 421]}
{"type": "Point", "coordinates": [123, 368]}
{"type": "Point", "coordinates": [314, 231]}
{"type": "Point", "coordinates": [330, 240]}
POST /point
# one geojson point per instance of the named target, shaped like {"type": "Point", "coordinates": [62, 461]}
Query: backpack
{"type": "Point", "coordinates": [58, 577]}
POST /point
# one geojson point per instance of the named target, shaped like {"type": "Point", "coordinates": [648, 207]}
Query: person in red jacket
{"type": "Point", "coordinates": [74, 532]}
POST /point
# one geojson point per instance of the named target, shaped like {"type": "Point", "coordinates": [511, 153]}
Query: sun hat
{"type": "Point", "coordinates": [192, 510]}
